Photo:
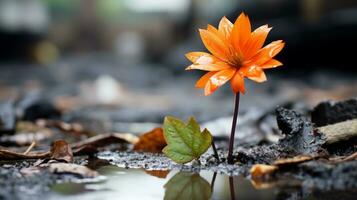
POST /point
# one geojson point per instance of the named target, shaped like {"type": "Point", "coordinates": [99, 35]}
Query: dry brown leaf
{"type": "Point", "coordinates": [152, 141]}
{"type": "Point", "coordinates": [61, 151]}
{"type": "Point", "coordinates": [60, 168]}
{"type": "Point", "coordinates": [292, 161]}
{"type": "Point", "coordinates": [106, 139]}
{"type": "Point", "coordinates": [65, 168]}
{"type": "Point", "coordinates": [158, 173]}
{"type": "Point", "coordinates": [11, 155]}
{"type": "Point", "coordinates": [261, 170]}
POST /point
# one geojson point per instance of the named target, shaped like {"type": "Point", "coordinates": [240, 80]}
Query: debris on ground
{"type": "Point", "coordinates": [152, 141]}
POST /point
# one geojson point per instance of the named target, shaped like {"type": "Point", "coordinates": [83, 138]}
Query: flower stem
{"type": "Point", "coordinates": [234, 124]}
{"type": "Point", "coordinates": [215, 151]}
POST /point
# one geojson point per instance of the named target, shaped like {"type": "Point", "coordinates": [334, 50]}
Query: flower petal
{"type": "Point", "coordinates": [237, 83]}
{"type": "Point", "coordinates": [203, 80]}
{"type": "Point", "coordinates": [209, 67]}
{"type": "Point", "coordinates": [225, 27]}
{"type": "Point", "coordinates": [266, 53]}
{"type": "Point", "coordinates": [254, 73]}
{"type": "Point", "coordinates": [218, 79]}
{"type": "Point", "coordinates": [214, 44]}
{"type": "Point", "coordinates": [207, 89]}
{"type": "Point", "coordinates": [217, 33]}
{"type": "Point", "coordinates": [240, 32]}
{"type": "Point", "coordinates": [260, 78]}
{"type": "Point", "coordinates": [201, 58]}
{"type": "Point", "coordinates": [272, 63]}
{"type": "Point", "coordinates": [256, 41]}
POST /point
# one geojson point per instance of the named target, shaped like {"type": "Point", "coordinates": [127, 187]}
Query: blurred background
{"type": "Point", "coordinates": [129, 54]}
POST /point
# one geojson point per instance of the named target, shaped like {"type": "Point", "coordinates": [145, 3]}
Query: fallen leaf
{"type": "Point", "coordinates": [61, 151]}
{"type": "Point", "coordinates": [292, 161]}
{"type": "Point", "coordinates": [152, 141]}
{"type": "Point", "coordinates": [56, 167]}
{"type": "Point", "coordinates": [261, 170]}
{"type": "Point", "coordinates": [106, 139]}
{"type": "Point", "coordinates": [186, 185]}
{"type": "Point", "coordinates": [65, 168]}
{"type": "Point", "coordinates": [158, 173]}
{"type": "Point", "coordinates": [185, 141]}
{"type": "Point", "coordinates": [11, 155]}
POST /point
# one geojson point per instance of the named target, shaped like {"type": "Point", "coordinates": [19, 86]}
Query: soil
{"type": "Point", "coordinates": [264, 133]}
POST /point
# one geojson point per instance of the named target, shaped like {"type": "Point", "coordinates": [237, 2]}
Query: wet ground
{"type": "Point", "coordinates": [108, 99]}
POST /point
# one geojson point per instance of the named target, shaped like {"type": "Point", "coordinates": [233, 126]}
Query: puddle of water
{"type": "Point", "coordinates": [133, 184]}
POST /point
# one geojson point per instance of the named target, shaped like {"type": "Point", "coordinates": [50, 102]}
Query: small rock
{"type": "Point", "coordinates": [299, 132]}
{"type": "Point", "coordinates": [41, 110]}
{"type": "Point", "coordinates": [289, 121]}
{"type": "Point", "coordinates": [332, 112]}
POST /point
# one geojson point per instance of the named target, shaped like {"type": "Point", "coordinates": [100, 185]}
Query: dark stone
{"type": "Point", "coordinates": [7, 118]}
{"type": "Point", "coordinates": [289, 121]}
{"type": "Point", "coordinates": [330, 112]}
{"type": "Point", "coordinates": [299, 133]}
{"type": "Point", "coordinates": [41, 110]}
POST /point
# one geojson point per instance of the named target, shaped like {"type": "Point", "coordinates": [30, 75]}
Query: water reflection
{"type": "Point", "coordinates": [186, 185]}
{"type": "Point", "coordinates": [142, 184]}
{"type": "Point", "coordinates": [231, 188]}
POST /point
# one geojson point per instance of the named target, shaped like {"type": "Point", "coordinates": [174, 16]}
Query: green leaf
{"type": "Point", "coordinates": [185, 186]}
{"type": "Point", "coordinates": [185, 142]}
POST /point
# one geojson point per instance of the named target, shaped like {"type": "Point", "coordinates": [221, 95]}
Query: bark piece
{"type": "Point", "coordinates": [339, 132]}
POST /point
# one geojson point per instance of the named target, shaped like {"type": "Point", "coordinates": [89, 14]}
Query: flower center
{"type": "Point", "coordinates": [236, 60]}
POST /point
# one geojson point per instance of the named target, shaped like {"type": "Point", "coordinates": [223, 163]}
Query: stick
{"type": "Point", "coordinates": [33, 144]}
{"type": "Point", "coordinates": [215, 151]}
{"type": "Point", "coordinates": [338, 132]}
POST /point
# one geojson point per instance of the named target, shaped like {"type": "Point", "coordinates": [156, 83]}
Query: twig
{"type": "Point", "coordinates": [341, 131]}
{"type": "Point", "coordinates": [33, 144]}
{"type": "Point", "coordinates": [215, 151]}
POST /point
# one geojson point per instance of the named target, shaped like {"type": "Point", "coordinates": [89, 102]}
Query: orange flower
{"type": "Point", "coordinates": [236, 53]}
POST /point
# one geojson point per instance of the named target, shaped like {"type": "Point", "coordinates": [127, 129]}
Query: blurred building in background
{"type": "Point", "coordinates": [319, 33]}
